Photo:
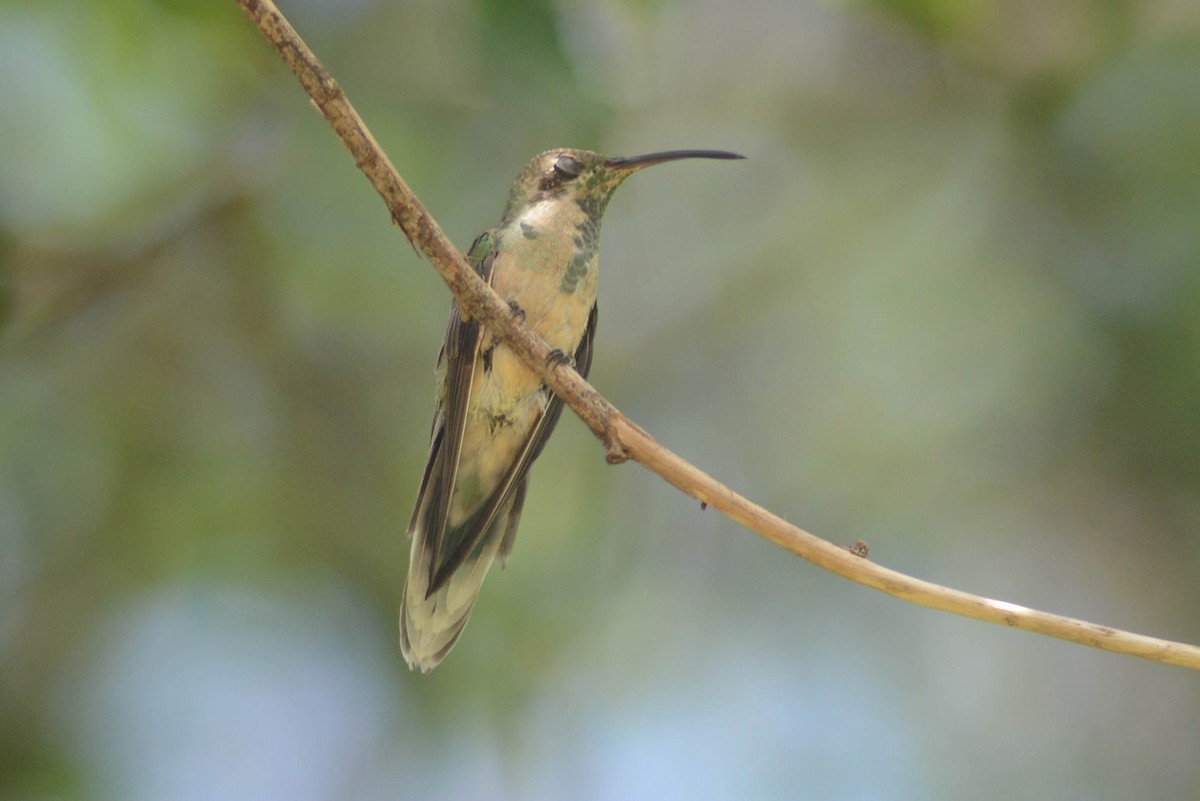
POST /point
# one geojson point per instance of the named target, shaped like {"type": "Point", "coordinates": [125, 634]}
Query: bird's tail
{"type": "Point", "coordinates": [430, 626]}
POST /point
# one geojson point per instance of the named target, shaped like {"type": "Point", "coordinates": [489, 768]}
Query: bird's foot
{"type": "Point", "coordinates": [517, 311]}
{"type": "Point", "coordinates": [556, 357]}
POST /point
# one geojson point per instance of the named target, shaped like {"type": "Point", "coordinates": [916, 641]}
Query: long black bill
{"type": "Point", "coordinates": [637, 162]}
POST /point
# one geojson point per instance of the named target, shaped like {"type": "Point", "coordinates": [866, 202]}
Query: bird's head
{"type": "Point", "coordinates": [580, 178]}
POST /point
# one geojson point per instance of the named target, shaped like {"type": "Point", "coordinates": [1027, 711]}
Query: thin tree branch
{"type": "Point", "coordinates": [622, 438]}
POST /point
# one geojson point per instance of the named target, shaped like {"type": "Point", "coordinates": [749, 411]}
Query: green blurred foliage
{"type": "Point", "coordinates": [950, 305]}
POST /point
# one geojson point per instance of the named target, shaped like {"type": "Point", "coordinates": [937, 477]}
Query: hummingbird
{"type": "Point", "coordinates": [493, 413]}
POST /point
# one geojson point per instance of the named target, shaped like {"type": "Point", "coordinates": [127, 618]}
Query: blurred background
{"type": "Point", "coordinates": [950, 305]}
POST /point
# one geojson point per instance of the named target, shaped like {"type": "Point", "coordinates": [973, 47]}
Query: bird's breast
{"type": "Point", "coordinates": [548, 264]}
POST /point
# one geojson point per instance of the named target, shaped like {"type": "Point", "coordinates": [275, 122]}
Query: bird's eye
{"type": "Point", "coordinates": [566, 167]}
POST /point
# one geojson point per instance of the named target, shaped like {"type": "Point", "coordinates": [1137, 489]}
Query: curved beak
{"type": "Point", "coordinates": [633, 163]}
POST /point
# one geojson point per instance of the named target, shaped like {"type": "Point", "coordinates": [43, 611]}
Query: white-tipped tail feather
{"type": "Point", "coordinates": [429, 627]}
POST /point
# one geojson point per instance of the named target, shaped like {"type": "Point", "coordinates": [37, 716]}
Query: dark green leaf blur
{"type": "Point", "coordinates": [950, 305]}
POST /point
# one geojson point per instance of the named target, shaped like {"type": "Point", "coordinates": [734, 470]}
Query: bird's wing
{"type": "Point", "coordinates": [468, 536]}
{"type": "Point", "coordinates": [456, 362]}
{"type": "Point", "coordinates": [583, 365]}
